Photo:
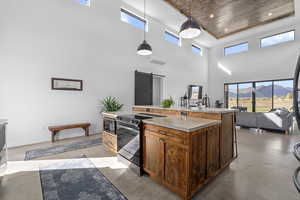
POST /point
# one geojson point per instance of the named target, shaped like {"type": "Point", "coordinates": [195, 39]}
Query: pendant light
{"type": "Point", "coordinates": [190, 28]}
{"type": "Point", "coordinates": [144, 49]}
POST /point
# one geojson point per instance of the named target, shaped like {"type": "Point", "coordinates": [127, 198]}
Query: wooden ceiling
{"type": "Point", "coordinates": [222, 18]}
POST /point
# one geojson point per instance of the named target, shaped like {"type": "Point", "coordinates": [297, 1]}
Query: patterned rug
{"type": "Point", "coordinates": [77, 179]}
{"type": "Point", "coordinates": [38, 153]}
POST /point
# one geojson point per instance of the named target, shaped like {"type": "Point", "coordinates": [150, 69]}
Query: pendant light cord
{"type": "Point", "coordinates": [191, 2]}
{"type": "Point", "coordinates": [145, 19]}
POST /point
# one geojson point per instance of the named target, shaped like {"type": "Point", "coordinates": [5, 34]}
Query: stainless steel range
{"type": "Point", "coordinates": [129, 139]}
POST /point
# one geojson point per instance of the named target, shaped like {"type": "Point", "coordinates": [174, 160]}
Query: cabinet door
{"type": "Point", "coordinates": [199, 159]}
{"type": "Point", "coordinates": [153, 154]}
{"type": "Point", "coordinates": [226, 139]}
{"type": "Point", "coordinates": [213, 150]}
{"type": "Point", "coordinates": [176, 165]}
{"type": "Point", "coordinates": [110, 141]}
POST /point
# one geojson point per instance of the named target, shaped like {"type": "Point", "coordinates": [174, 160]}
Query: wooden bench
{"type": "Point", "coordinates": [55, 129]}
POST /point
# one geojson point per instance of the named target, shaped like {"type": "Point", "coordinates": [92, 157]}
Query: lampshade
{"type": "Point", "coordinates": [144, 49]}
{"type": "Point", "coordinates": [190, 29]}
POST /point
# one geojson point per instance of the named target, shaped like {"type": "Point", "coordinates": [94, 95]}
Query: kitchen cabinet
{"type": "Point", "coordinates": [164, 159]}
{"type": "Point", "coordinates": [110, 141]}
{"type": "Point", "coordinates": [227, 144]}
{"type": "Point", "coordinates": [226, 136]}
{"type": "Point", "coordinates": [213, 151]}
{"type": "Point", "coordinates": [175, 165]}
{"type": "Point", "coordinates": [153, 151]}
{"type": "Point", "coordinates": [181, 161]}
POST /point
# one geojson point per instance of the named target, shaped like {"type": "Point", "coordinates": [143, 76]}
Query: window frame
{"type": "Point", "coordinates": [173, 35]}
{"type": "Point", "coordinates": [132, 14]}
{"type": "Point", "coordinates": [87, 5]}
{"type": "Point", "coordinates": [224, 49]}
{"type": "Point", "coordinates": [197, 47]}
{"type": "Point", "coordinates": [253, 93]}
{"type": "Point", "coordinates": [292, 30]}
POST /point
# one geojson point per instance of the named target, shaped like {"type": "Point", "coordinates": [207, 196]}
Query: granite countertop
{"type": "Point", "coordinates": [193, 109]}
{"type": "Point", "coordinates": [186, 124]}
{"type": "Point", "coordinates": [183, 123]}
{"type": "Point", "coordinates": [114, 115]}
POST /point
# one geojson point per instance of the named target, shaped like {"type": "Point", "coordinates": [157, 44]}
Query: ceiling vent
{"type": "Point", "coordinates": [157, 62]}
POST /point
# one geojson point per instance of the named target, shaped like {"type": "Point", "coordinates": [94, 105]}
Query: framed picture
{"type": "Point", "coordinates": [66, 84]}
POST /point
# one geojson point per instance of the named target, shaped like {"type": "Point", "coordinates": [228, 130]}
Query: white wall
{"type": "Point", "coordinates": [274, 62]}
{"type": "Point", "coordinates": [40, 39]}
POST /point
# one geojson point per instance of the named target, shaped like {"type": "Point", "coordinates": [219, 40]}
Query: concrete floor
{"type": "Point", "coordinates": [262, 171]}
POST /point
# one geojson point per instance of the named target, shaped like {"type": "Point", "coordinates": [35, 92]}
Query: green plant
{"type": "Point", "coordinates": [111, 104]}
{"type": "Point", "coordinates": [167, 103]}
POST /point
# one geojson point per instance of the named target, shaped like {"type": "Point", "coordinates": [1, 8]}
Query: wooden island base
{"type": "Point", "coordinates": [183, 161]}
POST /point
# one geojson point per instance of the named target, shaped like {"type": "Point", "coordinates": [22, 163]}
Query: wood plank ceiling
{"type": "Point", "coordinates": [222, 18]}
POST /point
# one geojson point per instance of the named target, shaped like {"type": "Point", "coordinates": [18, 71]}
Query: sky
{"type": "Point", "coordinates": [276, 39]}
{"type": "Point", "coordinates": [132, 20]}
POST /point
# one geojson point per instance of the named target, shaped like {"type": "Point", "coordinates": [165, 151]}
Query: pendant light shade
{"type": "Point", "coordinates": [144, 49]}
{"type": "Point", "coordinates": [190, 29]}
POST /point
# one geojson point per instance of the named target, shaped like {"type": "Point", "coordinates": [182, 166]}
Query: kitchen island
{"type": "Point", "coordinates": [226, 116]}
{"type": "Point", "coordinates": [185, 149]}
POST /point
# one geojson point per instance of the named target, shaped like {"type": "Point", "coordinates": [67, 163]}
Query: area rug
{"type": "Point", "coordinates": [38, 153]}
{"type": "Point", "coordinates": [76, 179]}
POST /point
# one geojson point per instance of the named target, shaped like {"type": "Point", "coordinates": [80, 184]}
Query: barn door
{"type": "Point", "coordinates": [143, 88]}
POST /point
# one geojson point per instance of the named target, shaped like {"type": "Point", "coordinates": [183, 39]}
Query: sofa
{"type": "Point", "coordinates": [277, 119]}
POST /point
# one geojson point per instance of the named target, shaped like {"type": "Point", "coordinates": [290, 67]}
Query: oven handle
{"type": "Point", "coordinates": [128, 128]}
{"type": "Point", "coordinates": [108, 119]}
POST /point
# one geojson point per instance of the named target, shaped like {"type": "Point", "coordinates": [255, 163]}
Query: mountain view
{"type": "Point", "coordinates": [262, 91]}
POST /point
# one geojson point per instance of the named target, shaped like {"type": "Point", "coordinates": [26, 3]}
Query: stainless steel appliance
{"type": "Point", "coordinates": [129, 140]}
{"type": "Point", "coordinates": [206, 101]}
{"type": "Point", "coordinates": [109, 125]}
{"type": "Point", "coordinates": [3, 147]}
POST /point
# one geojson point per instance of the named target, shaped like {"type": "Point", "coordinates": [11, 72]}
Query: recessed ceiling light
{"type": "Point", "coordinates": [211, 16]}
{"type": "Point", "coordinates": [270, 14]}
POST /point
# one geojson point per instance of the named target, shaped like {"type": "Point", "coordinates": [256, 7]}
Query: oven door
{"type": "Point", "coordinates": [109, 125]}
{"type": "Point", "coordinates": [128, 137]}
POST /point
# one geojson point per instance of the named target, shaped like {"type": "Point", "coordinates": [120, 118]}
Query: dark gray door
{"type": "Point", "coordinates": [143, 88]}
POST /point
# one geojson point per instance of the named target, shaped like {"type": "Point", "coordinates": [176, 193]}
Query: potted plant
{"type": "Point", "coordinates": [111, 104]}
{"type": "Point", "coordinates": [167, 103]}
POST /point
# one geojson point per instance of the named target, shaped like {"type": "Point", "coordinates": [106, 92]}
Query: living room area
{"type": "Point", "coordinates": [258, 77]}
{"type": "Point", "coordinates": [263, 105]}
{"type": "Point", "coordinates": [111, 99]}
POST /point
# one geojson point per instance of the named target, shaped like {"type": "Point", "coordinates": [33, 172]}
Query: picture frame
{"type": "Point", "coordinates": [66, 84]}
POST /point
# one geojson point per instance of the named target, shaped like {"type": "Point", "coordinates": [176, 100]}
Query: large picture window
{"type": "Point", "coordinates": [245, 96]}
{"type": "Point", "coordinates": [283, 94]}
{"type": "Point", "coordinates": [260, 96]}
{"type": "Point", "coordinates": [263, 94]}
{"type": "Point", "coordinates": [232, 95]}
